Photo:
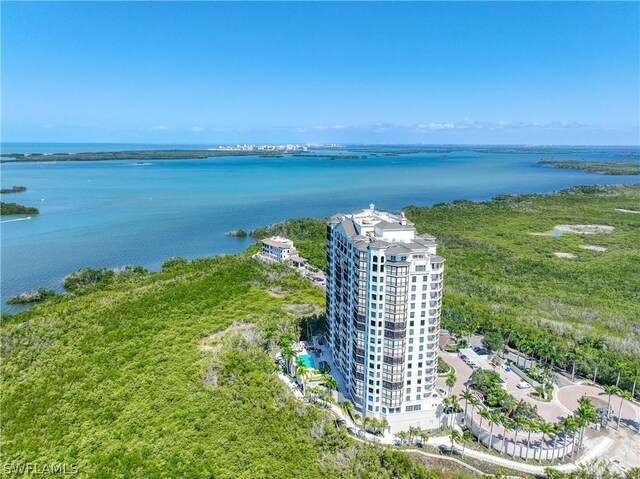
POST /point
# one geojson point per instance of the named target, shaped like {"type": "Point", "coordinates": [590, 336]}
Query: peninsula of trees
{"type": "Point", "coordinates": [16, 209]}
{"type": "Point", "coordinates": [600, 167]}
{"type": "Point", "coordinates": [131, 155]}
{"type": "Point", "coordinates": [13, 189]}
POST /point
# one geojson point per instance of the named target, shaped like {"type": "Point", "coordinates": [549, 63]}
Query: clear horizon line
{"type": "Point", "coordinates": [342, 144]}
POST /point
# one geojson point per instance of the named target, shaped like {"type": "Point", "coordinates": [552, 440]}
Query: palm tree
{"type": "Point", "coordinates": [288, 354]}
{"type": "Point", "coordinates": [585, 414]}
{"type": "Point", "coordinates": [346, 407]}
{"type": "Point", "coordinates": [403, 436]}
{"type": "Point", "coordinates": [508, 425]}
{"type": "Point", "coordinates": [557, 429]}
{"type": "Point", "coordinates": [451, 380]}
{"type": "Point", "coordinates": [413, 432]}
{"type": "Point", "coordinates": [622, 367]}
{"type": "Point", "coordinates": [383, 424]}
{"type": "Point", "coordinates": [571, 425]}
{"type": "Point", "coordinates": [532, 426]}
{"type": "Point", "coordinates": [484, 414]}
{"type": "Point", "coordinates": [623, 395]}
{"type": "Point", "coordinates": [366, 422]}
{"type": "Point", "coordinates": [467, 395]}
{"type": "Point", "coordinates": [546, 428]}
{"type": "Point", "coordinates": [610, 391]}
{"type": "Point", "coordinates": [302, 372]}
{"type": "Point", "coordinates": [493, 419]}
{"type": "Point", "coordinates": [329, 382]}
{"type": "Point", "coordinates": [356, 418]}
{"type": "Point", "coordinates": [455, 406]}
{"type": "Point", "coordinates": [424, 436]}
{"type": "Point", "coordinates": [455, 437]}
{"type": "Point", "coordinates": [300, 362]}
{"type": "Point", "coordinates": [634, 370]}
{"type": "Point", "coordinates": [518, 425]}
{"type": "Point", "coordinates": [474, 402]}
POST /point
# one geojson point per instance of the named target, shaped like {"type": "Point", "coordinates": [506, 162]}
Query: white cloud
{"type": "Point", "coordinates": [160, 128]}
{"type": "Point", "coordinates": [197, 128]}
{"type": "Point", "coordinates": [435, 126]}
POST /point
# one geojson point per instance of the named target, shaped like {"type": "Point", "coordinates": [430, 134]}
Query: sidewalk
{"type": "Point", "coordinates": [593, 452]}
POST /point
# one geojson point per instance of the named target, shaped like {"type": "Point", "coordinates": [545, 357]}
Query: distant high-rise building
{"type": "Point", "coordinates": [384, 296]}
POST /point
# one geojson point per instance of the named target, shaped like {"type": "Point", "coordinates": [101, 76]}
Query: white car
{"type": "Point", "coordinates": [523, 385]}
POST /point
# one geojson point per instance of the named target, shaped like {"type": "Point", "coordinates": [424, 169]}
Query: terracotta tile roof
{"type": "Point", "coordinates": [277, 244]}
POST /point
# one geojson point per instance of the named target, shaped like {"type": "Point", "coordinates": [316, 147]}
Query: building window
{"type": "Point", "coordinates": [420, 267]}
{"type": "Point", "coordinates": [413, 279]}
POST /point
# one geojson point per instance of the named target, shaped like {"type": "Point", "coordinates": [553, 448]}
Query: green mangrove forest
{"type": "Point", "coordinates": [600, 167]}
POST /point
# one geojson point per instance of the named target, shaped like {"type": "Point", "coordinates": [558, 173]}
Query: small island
{"type": "Point", "coordinates": [599, 167]}
{"type": "Point", "coordinates": [16, 209]}
{"type": "Point", "coordinates": [237, 233]}
{"type": "Point", "coordinates": [13, 189]}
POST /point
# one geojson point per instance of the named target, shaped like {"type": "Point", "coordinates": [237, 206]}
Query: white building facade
{"type": "Point", "coordinates": [384, 297]}
{"type": "Point", "coordinates": [278, 249]}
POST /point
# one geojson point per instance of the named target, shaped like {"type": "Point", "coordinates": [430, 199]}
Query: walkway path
{"type": "Point", "coordinates": [593, 452]}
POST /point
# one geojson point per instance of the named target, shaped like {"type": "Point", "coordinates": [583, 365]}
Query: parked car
{"type": "Point", "coordinates": [523, 385]}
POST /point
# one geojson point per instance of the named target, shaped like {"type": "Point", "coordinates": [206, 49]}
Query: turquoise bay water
{"type": "Point", "coordinates": [112, 213]}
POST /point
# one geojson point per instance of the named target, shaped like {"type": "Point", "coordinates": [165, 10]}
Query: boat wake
{"type": "Point", "coordinates": [17, 219]}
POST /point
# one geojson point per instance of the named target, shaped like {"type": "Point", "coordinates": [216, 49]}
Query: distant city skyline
{"type": "Point", "coordinates": [533, 73]}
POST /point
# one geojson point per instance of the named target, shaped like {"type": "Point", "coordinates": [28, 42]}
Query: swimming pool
{"type": "Point", "coordinates": [308, 360]}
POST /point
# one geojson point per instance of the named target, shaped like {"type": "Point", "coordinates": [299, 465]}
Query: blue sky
{"type": "Point", "coordinates": [512, 73]}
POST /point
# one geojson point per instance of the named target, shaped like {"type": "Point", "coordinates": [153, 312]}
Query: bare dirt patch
{"type": "Point", "coordinates": [585, 229]}
{"type": "Point", "coordinates": [302, 309]}
{"type": "Point", "coordinates": [277, 292]}
{"type": "Point", "coordinates": [214, 342]}
{"type": "Point", "coordinates": [591, 247]}
{"type": "Point", "coordinates": [565, 255]}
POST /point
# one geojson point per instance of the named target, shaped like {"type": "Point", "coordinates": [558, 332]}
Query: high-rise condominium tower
{"type": "Point", "coordinates": [384, 296]}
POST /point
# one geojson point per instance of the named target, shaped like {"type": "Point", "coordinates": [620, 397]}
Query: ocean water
{"type": "Point", "coordinates": [112, 213]}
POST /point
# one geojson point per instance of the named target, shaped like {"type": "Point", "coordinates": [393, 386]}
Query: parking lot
{"type": "Point", "coordinates": [564, 402]}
